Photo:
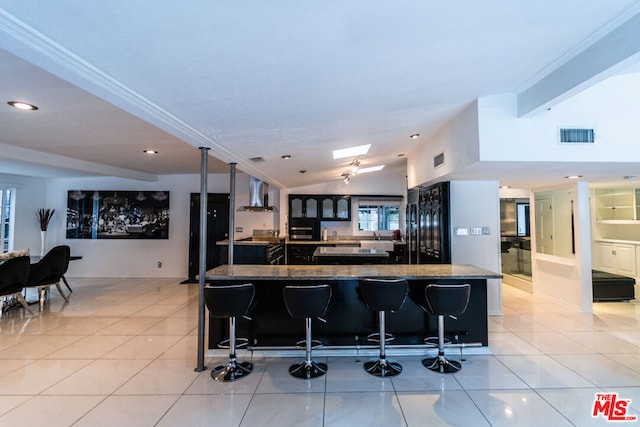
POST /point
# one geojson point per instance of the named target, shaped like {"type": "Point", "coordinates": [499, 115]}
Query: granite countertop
{"type": "Point", "coordinates": [351, 242]}
{"type": "Point", "coordinates": [286, 240]}
{"type": "Point", "coordinates": [342, 272]}
{"type": "Point", "coordinates": [250, 242]}
{"type": "Point", "coordinates": [347, 242]}
{"type": "Point", "coordinates": [323, 251]}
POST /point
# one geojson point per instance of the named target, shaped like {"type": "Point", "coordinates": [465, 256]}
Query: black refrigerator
{"type": "Point", "coordinates": [413, 198]}
{"type": "Point", "coordinates": [434, 245]}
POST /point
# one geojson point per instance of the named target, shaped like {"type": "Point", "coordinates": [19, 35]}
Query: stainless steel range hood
{"type": "Point", "coordinates": [258, 197]}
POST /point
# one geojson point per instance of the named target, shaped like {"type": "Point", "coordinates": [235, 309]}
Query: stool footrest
{"type": "Point", "coordinates": [240, 343]}
{"type": "Point", "coordinates": [375, 337]}
{"type": "Point", "coordinates": [302, 344]}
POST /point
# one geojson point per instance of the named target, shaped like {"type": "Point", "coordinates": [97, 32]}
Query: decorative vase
{"type": "Point", "coordinates": [43, 242]}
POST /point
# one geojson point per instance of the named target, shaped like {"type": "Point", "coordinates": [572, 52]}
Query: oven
{"type": "Point", "coordinates": [301, 232]}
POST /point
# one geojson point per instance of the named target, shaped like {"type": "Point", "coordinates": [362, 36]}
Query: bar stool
{"type": "Point", "coordinates": [307, 302]}
{"type": "Point", "coordinates": [230, 301]}
{"type": "Point", "coordinates": [445, 300]}
{"type": "Point", "coordinates": [383, 295]}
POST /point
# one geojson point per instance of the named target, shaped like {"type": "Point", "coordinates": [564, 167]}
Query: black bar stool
{"type": "Point", "coordinates": [230, 301]}
{"type": "Point", "coordinates": [383, 295]}
{"type": "Point", "coordinates": [307, 302]}
{"type": "Point", "coordinates": [445, 300]}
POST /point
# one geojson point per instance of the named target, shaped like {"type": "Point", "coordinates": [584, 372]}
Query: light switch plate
{"type": "Point", "coordinates": [486, 231]}
{"type": "Point", "coordinates": [475, 231]}
{"type": "Point", "coordinates": [461, 231]}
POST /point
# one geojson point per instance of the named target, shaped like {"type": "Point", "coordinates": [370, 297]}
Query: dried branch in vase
{"type": "Point", "coordinates": [44, 217]}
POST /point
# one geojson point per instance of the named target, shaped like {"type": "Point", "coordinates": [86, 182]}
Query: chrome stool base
{"type": "Point", "coordinates": [306, 371]}
{"type": "Point", "coordinates": [382, 367]}
{"type": "Point", "coordinates": [441, 364]}
{"type": "Point", "coordinates": [232, 371]}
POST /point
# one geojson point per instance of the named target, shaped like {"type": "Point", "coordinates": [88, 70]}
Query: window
{"type": "Point", "coordinates": [6, 219]}
{"type": "Point", "coordinates": [377, 216]}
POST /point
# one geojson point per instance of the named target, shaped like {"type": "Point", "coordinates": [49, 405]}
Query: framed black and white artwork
{"type": "Point", "coordinates": [98, 214]}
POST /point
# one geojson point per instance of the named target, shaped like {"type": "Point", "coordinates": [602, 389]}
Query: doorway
{"type": "Point", "coordinates": [217, 229]}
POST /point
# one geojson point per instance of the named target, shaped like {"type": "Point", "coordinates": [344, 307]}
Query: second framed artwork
{"type": "Point", "coordinates": [99, 214]}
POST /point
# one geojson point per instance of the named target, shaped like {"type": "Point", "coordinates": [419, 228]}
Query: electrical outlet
{"type": "Point", "coordinates": [159, 264]}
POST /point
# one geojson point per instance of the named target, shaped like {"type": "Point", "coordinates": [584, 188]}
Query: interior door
{"type": "Point", "coordinates": [544, 226]}
{"type": "Point", "coordinates": [217, 229]}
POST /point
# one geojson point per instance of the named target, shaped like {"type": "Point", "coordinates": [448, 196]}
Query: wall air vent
{"type": "Point", "coordinates": [577, 136]}
{"type": "Point", "coordinates": [438, 160]}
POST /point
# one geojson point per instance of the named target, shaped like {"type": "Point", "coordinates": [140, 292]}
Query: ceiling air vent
{"type": "Point", "coordinates": [438, 160]}
{"type": "Point", "coordinates": [257, 159]}
{"type": "Point", "coordinates": [577, 136]}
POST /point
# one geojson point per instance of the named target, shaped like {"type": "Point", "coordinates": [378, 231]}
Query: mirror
{"type": "Point", "coordinates": [554, 223]}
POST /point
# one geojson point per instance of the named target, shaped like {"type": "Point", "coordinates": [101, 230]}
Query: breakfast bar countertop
{"type": "Point", "coordinates": [324, 251]}
{"type": "Point", "coordinates": [342, 272]}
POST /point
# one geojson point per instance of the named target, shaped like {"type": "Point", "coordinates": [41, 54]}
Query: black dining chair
{"type": "Point", "coordinates": [14, 274]}
{"type": "Point", "coordinates": [49, 271]}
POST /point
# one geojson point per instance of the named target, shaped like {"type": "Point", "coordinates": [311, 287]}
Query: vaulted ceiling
{"type": "Point", "coordinates": [265, 79]}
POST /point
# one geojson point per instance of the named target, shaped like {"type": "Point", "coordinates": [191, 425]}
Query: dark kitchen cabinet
{"type": "Point", "coordinates": [399, 254]}
{"type": "Point", "coordinates": [335, 208]}
{"type": "Point", "coordinates": [303, 207]}
{"type": "Point", "coordinates": [272, 253]}
{"type": "Point", "coordinates": [433, 226]}
{"type": "Point", "coordinates": [300, 254]}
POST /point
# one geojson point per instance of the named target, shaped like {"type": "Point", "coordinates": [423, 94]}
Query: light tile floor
{"type": "Point", "coordinates": [123, 353]}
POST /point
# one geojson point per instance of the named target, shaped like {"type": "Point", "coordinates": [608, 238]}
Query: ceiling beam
{"type": "Point", "coordinates": [610, 54]}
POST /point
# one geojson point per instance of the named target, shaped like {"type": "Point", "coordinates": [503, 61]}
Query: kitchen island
{"type": "Point", "coordinates": [348, 320]}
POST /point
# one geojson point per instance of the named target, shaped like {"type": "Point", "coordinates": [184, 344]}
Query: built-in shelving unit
{"type": "Point", "coordinates": [617, 205]}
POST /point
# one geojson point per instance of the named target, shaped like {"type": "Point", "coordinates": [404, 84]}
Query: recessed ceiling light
{"type": "Point", "coordinates": [150, 151]}
{"type": "Point", "coordinates": [504, 187]}
{"type": "Point", "coordinates": [22, 105]}
{"type": "Point", "coordinates": [414, 136]}
{"type": "Point", "coordinates": [360, 150]}
{"type": "Point", "coordinates": [371, 169]}
{"type": "Point", "coordinates": [573, 176]}
{"type": "Point", "coordinates": [286, 156]}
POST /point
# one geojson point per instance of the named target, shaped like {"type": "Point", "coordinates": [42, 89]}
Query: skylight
{"type": "Point", "coordinates": [371, 169]}
{"type": "Point", "coordinates": [360, 150]}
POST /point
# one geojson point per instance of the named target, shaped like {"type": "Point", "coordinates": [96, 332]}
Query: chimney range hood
{"type": "Point", "coordinates": [258, 197]}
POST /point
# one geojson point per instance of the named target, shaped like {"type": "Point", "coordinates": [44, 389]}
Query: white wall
{"type": "Point", "coordinates": [458, 140]}
{"type": "Point", "coordinates": [505, 137]}
{"type": "Point", "coordinates": [477, 204]}
{"type": "Point", "coordinates": [126, 258]}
